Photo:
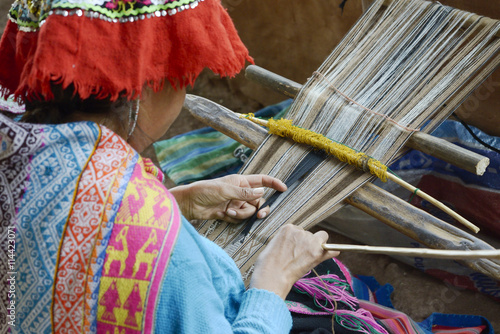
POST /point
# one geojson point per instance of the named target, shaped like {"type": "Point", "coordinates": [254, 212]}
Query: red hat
{"type": "Point", "coordinates": [111, 48]}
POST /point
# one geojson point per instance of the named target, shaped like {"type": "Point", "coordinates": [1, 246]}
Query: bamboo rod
{"type": "Point", "coordinates": [416, 252]}
{"type": "Point", "coordinates": [380, 204]}
{"type": "Point", "coordinates": [434, 201]}
{"type": "Point", "coordinates": [399, 181]}
{"type": "Point", "coordinates": [436, 147]}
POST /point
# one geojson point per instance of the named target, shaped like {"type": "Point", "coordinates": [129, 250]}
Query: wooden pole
{"type": "Point", "coordinates": [418, 252]}
{"type": "Point", "coordinates": [389, 209]}
{"type": "Point", "coordinates": [433, 201]}
{"type": "Point", "coordinates": [402, 183]}
{"type": "Point", "coordinates": [436, 147]}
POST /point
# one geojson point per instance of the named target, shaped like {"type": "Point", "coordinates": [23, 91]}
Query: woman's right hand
{"type": "Point", "coordinates": [289, 256]}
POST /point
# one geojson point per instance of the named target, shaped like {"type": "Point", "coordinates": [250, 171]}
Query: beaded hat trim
{"type": "Point", "coordinates": [114, 48]}
{"type": "Point", "coordinates": [31, 14]}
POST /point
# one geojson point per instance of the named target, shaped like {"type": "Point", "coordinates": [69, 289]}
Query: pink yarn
{"type": "Point", "coordinates": [333, 289]}
{"type": "Point", "coordinates": [315, 287]}
{"type": "Point", "coordinates": [351, 320]}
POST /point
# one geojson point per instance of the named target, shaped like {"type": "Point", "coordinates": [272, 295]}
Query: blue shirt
{"type": "Point", "coordinates": [203, 292]}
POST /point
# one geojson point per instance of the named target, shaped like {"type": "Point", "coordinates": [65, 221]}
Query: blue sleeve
{"type": "Point", "coordinates": [203, 292]}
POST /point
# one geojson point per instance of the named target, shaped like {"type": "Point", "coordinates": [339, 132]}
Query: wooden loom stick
{"type": "Point", "coordinates": [436, 147]}
{"type": "Point", "coordinates": [402, 183]}
{"type": "Point", "coordinates": [380, 204]}
{"type": "Point", "coordinates": [432, 200]}
{"type": "Point", "coordinates": [419, 252]}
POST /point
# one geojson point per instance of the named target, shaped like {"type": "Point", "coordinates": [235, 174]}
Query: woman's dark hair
{"type": "Point", "coordinates": [66, 103]}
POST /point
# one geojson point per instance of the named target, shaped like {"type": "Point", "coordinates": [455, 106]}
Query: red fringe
{"type": "Point", "coordinates": [112, 59]}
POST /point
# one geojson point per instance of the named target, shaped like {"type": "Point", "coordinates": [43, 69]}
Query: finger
{"type": "Point", "coordinates": [329, 255]}
{"type": "Point", "coordinates": [223, 216]}
{"type": "Point", "coordinates": [263, 212]}
{"type": "Point", "coordinates": [322, 236]}
{"type": "Point", "coordinates": [236, 205]}
{"type": "Point", "coordinates": [243, 212]}
{"type": "Point", "coordinates": [244, 194]}
{"type": "Point", "coordinates": [262, 180]}
{"type": "Point", "coordinates": [257, 203]}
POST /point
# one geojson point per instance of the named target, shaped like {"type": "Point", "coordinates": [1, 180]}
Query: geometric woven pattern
{"type": "Point", "coordinates": [138, 251]}
{"type": "Point", "coordinates": [99, 251]}
{"type": "Point", "coordinates": [13, 180]}
{"type": "Point", "coordinates": [52, 161]}
{"type": "Point", "coordinates": [86, 228]}
{"type": "Point", "coordinates": [94, 229]}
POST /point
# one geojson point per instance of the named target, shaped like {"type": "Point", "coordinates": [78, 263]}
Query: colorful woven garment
{"type": "Point", "coordinates": [109, 48]}
{"type": "Point", "coordinates": [206, 153]}
{"type": "Point", "coordinates": [327, 302]}
{"type": "Point", "coordinates": [359, 304]}
{"type": "Point", "coordinates": [94, 230]}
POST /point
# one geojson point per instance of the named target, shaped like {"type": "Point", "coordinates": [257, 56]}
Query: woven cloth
{"type": "Point", "coordinates": [91, 228]}
{"type": "Point", "coordinates": [109, 48]}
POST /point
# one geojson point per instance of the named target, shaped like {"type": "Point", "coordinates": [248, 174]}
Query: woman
{"type": "Point", "coordinates": [100, 244]}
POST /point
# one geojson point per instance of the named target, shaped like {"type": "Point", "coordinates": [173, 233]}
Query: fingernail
{"type": "Point", "coordinates": [259, 191]}
{"type": "Point", "coordinates": [262, 214]}
{"type": "Point", "coordinates": [231, 213]}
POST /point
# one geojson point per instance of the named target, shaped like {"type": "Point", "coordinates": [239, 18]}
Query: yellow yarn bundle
{"type": "Point", "coordinates": [285, 128]}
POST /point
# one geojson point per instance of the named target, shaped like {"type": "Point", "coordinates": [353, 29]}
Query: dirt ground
{"type": "Point", "coordinates": [415, 293]}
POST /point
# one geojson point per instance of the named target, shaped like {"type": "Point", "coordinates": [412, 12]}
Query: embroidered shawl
{"type": "Point", "coordinates": [92, 227]}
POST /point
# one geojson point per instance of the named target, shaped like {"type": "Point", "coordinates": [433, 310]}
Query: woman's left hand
{"type": "Point", "coordinates": [230, 198]}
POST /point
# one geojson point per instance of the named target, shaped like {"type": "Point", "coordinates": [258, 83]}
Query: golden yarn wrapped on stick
{"type": "Point", "coordinates": [285, 128]}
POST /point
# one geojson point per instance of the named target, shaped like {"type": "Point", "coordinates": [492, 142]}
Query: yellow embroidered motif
{"type": "Point", "coordinates": [139, 230]}
{"type": "Point", "coordinates": [118, 255]}
{"type": "Point", "coordinates": [147, 258]}
{"type": "Point", "coordinates": [117, 331]}
{"type": "Point", "coordinates": [136, 212]}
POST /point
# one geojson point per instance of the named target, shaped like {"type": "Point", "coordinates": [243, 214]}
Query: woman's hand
{"type": "Point", "coordinates": [230, 198]}
{"type": "Point", "coordinates": [289, 256]}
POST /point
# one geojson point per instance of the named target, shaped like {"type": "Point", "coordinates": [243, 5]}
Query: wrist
{"type": "Point", "coordinates": [181, 194]}
{"type": "Point", "coordinates": [278, 284]}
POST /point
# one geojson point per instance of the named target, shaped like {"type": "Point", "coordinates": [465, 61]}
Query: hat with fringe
{"type": "Point", "coordinates": [112, 48]}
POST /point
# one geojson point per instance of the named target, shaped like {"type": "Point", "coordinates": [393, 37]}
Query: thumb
{"type": "Point", "coordinates": [243, 193]}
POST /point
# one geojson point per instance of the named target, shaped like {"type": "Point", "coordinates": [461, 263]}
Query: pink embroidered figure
{"type": "Point", "coordinates": [110, 300]}
{"type": "Point", "coordinates": [133, 304]}
{"type": "Point", "coordinates": [136, 203]}
{"type": "Point", "coordinates": [161, 210]}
